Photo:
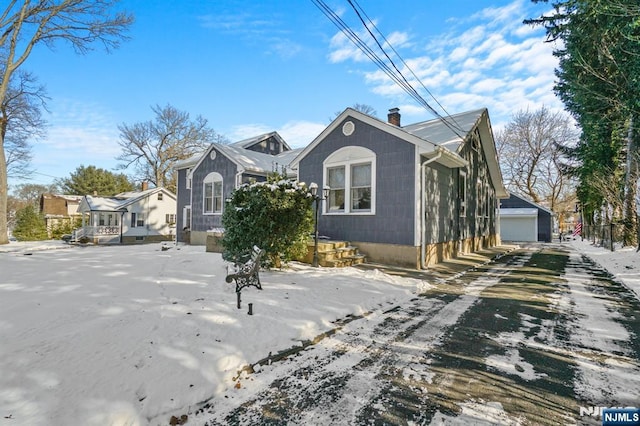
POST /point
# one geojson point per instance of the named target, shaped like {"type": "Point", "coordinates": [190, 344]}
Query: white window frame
{"type": "Point", "coordinates": [349, 157]}
{"type": "Point", "coordinates": [215, 180]}
{"type": "Point", "coordinates": [186, 216]}
{"type": "Point", "coordinates": [137, 220]}
{"type": "Point", "coordinates": [187, 184]}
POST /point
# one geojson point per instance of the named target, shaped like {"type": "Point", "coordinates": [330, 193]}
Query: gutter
{"type": "Point", "coordinates": [423, 203]}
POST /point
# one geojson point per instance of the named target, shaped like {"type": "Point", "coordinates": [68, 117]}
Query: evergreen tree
{"type": "Point", "coordinates": [90, 180]}
{"type": "Point", "coordinates": [30, 225]}
{"type": "Point", "coordinates": [599, 83]}
{"type": "Point", "coordinates": [275, 215]}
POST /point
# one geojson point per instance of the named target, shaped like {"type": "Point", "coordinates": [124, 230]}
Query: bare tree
{"type": "Point", "coordinates": [153, 147]}
{"type": "Point", "coordinates": [363, 108]}
{"type": "Point", "coordinates": [24, 195]}
{"type": "Point", "coordinates": [25, 24]}
{"type": "Point", "coordinates": [23, 122]}
{"type": "Point", "coordinates": [531, 160]}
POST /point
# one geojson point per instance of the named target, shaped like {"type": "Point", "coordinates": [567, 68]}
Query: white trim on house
{"type": "Point", "coordinates": [424, 147]}
{"type": "Point", "coordinates": [216, 181]}
{"type": "Point", "coordinates": [417, 221]}
{"type": "Point", "coordinates": [350, 157]}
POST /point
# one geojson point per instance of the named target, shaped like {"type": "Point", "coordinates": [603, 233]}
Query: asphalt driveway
{"type": "Point", "coordinates": [541, 335]}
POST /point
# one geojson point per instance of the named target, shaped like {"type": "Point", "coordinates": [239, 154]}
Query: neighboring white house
{"type": "Point", "coordinates": [129, 217]}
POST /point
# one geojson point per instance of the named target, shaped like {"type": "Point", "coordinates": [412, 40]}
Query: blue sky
{"type": "Point", "coordinates": [253, 67]}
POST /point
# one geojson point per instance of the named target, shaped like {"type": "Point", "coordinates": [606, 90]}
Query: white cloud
{"type": "Point", "coordinates": [398, 39]}
{"type": "Point", "coordinates": [487, 85]}
{"type": "Point", "coordinates": [488, 60]}
{"type": "Point", "coordinates": [78, 134]}
{"type": "Point", "coordinates": [299, 134]}
{"type": "Point", "coordinates": [245, 131]}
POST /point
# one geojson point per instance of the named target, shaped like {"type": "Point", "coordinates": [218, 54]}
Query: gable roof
{"type": "Point", "coordinates": [187, 162]}
{"type": "Point", "coordinates": [253, 161]}
{"type": "Point", "coordinates": [433, 137]}
{"type": "Point", "coordinates": [441, 134]}
{"type": "Point", "coordinates": [248, 143]}
{"type": "Point", "coordinates": [246, 159]}
{"type": "Point", "coordinates": [525, 201]}
{"type": "Point", "coordinates": [464, 123]}
{"type": "Point", "coordinates": [120, 201]}
{"type": "Point", "coordinates": [425, 147]}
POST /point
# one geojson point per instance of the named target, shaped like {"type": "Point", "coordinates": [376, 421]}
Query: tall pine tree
{"type": "Point", "coordinates": [599, 83]}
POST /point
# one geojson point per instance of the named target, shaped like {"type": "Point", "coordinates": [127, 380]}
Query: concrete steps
{"type": "Point", "coordinates": [334, 254]}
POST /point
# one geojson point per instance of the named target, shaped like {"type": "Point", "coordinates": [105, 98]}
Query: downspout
{"type": "Point", "coordinates": [423, 203]}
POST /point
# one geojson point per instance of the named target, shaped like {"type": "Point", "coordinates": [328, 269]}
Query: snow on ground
{"type": "Point", "coordinates": [607, 368]}
{"type": "Point", "coordinates": [623, 263]}
{"type": "Point", "coordinates": [126, 334]}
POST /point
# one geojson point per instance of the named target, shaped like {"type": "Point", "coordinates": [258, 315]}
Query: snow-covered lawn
{"type": "Point", "coordinates": [122, 335]}
{"type": "Point", "coordinates": [127, 335]}
{"type": "Point", "coordinates": [623, 263]}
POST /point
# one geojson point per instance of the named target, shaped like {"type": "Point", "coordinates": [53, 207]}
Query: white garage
{"type": "Point", "coordinates": [519, 224]}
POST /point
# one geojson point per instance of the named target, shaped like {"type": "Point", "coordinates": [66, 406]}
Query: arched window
{"type": "Point", "coordinates": [350, 172]}
{"type": "Point", "coordinates": [212, 193]}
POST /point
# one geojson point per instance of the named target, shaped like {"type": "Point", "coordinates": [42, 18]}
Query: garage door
{"type": "Point", "coordinates": [518, 225]}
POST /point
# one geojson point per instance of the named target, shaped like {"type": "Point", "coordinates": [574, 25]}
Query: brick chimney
{"type": "Point", "coordinates": [145, 185]}
{"type": "Point", "coordinates": [394, 116]}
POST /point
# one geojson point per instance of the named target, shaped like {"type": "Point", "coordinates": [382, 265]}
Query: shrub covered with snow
{"type": "Point", "coordinates": [275, 215]}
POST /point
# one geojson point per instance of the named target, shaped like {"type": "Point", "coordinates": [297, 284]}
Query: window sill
{"type": "Point", "coordinates": [349, 213]}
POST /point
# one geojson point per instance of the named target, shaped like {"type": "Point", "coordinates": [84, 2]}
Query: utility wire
{"type": "Point", "coordinates": [355, 39]}
{"type": "Point", "coordinates": [395, 74]}
{"type": "Point", "coordinates": [444, 119]}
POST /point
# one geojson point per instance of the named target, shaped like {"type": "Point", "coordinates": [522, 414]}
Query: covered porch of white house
{"type": "Point", "coordinates": [101, 227]}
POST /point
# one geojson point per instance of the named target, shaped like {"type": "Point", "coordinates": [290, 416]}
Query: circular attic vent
{"type": "Point", "coordinates": [348, 128]}
{"type": "Point", "coordinates": [213, 154]}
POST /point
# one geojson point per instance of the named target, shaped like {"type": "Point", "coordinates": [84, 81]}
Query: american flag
{"type": "Point", "coordinates": [578, 229]}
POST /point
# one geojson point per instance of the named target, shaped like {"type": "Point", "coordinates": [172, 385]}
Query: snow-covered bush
{"type": "Point", "coordinates": [275, 215]}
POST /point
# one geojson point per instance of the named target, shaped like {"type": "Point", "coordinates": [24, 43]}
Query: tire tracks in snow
{"type": "Point", "coordinates": [373, 368]}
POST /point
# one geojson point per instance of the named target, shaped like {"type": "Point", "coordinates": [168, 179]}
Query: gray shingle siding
{"type": "Point", "coordinates": [393, 222]}
{"type": "Point", "coordinates": [442, 204]}
{"type": "Point", "coordinates": [227, 169]}
{"type": "Point", "coordinates": [183, 198]}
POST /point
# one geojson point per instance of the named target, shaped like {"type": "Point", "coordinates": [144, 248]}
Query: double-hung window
{"type": "Point", "coordinates": [350, 173]}
{"type": "Point", "coordinates": [336, 181]}
{"type": "Point", "coordinates": [361, 187]}
{"type": "Point", "coordinates": [137, 220]}
{"type": "Point", "coordinates": [212, 203]}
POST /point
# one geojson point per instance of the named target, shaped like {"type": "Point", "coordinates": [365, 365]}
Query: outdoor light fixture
{"type": "Point", "coordinates": [317, 198]}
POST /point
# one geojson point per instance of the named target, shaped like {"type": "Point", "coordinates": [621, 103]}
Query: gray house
{"type": "Point", "coordinates": [207, 179]}
{"type": "Point", "coordinates": [411, 195]}
{"type": "Point", "coordinates": [408, 195]}
{"type": "Point", "coordinates": [524, 220]}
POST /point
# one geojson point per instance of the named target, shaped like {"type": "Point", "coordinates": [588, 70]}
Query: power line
{"type": "Point", "coordinates": [448, 116]}
{"type": "Point", "coordinates": [395, 74]}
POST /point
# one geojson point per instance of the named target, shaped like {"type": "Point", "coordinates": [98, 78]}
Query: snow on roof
{"type": "Point", "coordinates": [188, 162]}
{"type": "Point", "coordinates": [120, 201]}
{"type": "Point", "coordinates": [249, 142]}
{"type": "Point", "coordinates": [440, 133]}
